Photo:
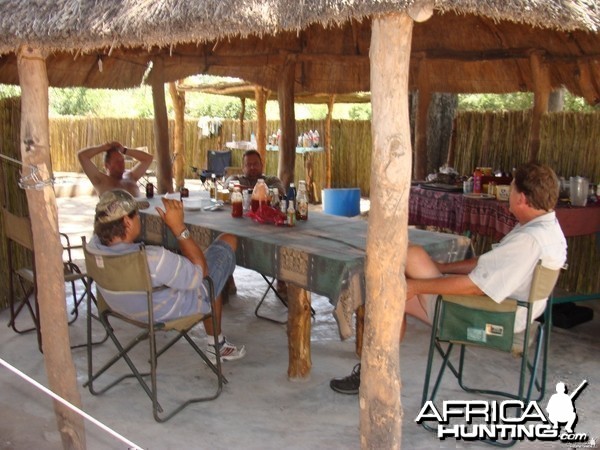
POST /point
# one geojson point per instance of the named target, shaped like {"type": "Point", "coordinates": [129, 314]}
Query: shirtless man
{"type": "Point", "coordinates": [114, 162]}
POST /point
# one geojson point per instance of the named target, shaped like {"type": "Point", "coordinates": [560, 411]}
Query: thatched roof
{"type": "Point", "coordinates": [467, 46]}
{"type": "Point", "coordinates": [88, 25]}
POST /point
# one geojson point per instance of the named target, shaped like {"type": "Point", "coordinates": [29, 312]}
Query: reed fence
{"type": "Point", "coordinates": [569, 143]}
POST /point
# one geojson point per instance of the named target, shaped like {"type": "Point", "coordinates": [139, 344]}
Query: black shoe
{"type": "Point", "coordinates": [349, 384]}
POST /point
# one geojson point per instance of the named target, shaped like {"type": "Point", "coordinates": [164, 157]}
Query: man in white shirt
{"type": "Point", "coordinates": [505, 271]}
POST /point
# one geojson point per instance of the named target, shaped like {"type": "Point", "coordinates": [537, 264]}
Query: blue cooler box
{"type": "Point", "coordinates": [341, 202]}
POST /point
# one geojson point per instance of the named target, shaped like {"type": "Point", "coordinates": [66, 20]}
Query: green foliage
{"type": "Point", "coordinates": [138, 103]}
{"type": "Point", "coordinates": [72, 102]}
{"type": "Point", "coordinates": [517, 100]}
{"type": "Point", "coordinates": [7, 91]}
{"type": "Point", "coordinates": [360, 111]}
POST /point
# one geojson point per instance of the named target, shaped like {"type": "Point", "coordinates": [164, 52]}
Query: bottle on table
{"type": "Point", "coordinates": [247, 199]}
{"type": "Point", "coordinates": [149, 190]}
{"type": "Point", "coordinates": [477, 180]}
{"type": "Point", "coordinates": [302, 201]}
{"type": "Point", "coordinates": [237, 203]}
{"type": "Point", "coordinates": [260, 195]}
{"type": "Point", "coordinates": [291, 197]}
{"type": "Point", "coordinates": [213, 186]}
{"type": "Point", "coordinates": [291, 215]}
{"type": "Point", "coordinates": [275, 198]}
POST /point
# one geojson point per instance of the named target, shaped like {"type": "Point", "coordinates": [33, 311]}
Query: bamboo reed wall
{"type": "Point", "coordinates": [569, 143]}
{"type": "Point", "coordinates": [12, 198]}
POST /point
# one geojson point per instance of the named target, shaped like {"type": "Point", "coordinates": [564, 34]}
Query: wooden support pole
{"type": "Point", "coordinates": [542, 90]}
{"type": "Point", "coordinates": [298, 332]}
{"type": "Point", "coordinates": [43, 213]}
{"type": "Point", "coordinates": [424, 100]}
{"type": "Point", "coordinates": [287, 118]}
{"type": "Point", "coordinates": [242, 115]}
{"type": "Point", "coordinates": [360, 329]}
{"type": "Point", "coordinates": [161, 128]}
{"type": "Point", "coordinates": [178, 99]}
{"type": "Point", "coordinates": [327, 139]}
{"type": "Point", "coordinates": [387, 236]}
{"type": "Point", "coordinates": [261, 95]}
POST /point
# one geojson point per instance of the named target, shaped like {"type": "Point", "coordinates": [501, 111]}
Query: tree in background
{"type": "Point", "coordinates": [138, 103]}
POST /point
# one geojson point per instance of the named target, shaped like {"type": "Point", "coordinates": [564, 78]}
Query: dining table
{"type": "Point", "coordinates": [324, 254]}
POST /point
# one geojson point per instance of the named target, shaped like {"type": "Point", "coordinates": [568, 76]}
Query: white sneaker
{"type": "Point", "coordinates": [229, 352]}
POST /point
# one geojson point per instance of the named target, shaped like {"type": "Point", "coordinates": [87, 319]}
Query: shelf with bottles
{"type": "Point", "coordinates": [275, 148]}
{"type": "Point", "coordinates": [247, 145]}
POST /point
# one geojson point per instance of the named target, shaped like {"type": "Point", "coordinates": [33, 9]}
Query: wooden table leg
{"type": "Point", "coordinates": [298, 332]}
{"type": "Point", "coordinates": [360, 329]}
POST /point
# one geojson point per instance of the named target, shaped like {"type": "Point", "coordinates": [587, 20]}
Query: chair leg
{"type": "Point", "coordinates": [17, 305]}
{"type": "Point", "coordinates": [90, 299]}
{"type": "Point", "coordinates": [215, 368]}
{"type": "Point", "coordinates": [271, 287]}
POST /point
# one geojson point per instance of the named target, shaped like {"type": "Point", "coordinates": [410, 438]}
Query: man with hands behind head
{"type": "Point", "coordinates": [116, 177]}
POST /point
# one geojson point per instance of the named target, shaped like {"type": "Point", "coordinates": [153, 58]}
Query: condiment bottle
{"type": "Point", "coordinates": [237, 203]}
{"type": "Point", "coordinates": [275, 198]}
{"type": "Point", "coordinates": [477, 181]}
{"type": "Point", "coordinates": [247, 196]}
{"type": "Point", "coordinates": [213, 186]}
{"type": "Point", "coordinates": [302, 202]}
{"type": "Point", "coordinates": [260, 195]}
{"type": "Point", "coordinates": [291, 215]}
{"type": "Point", "coordinates": [291, 197]}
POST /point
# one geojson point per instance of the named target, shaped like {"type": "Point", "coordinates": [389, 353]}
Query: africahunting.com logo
{"type": "Point", "coordinates": [509, 419]}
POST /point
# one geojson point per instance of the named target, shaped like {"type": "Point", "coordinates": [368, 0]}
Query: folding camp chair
{"type": "Point", "coordinates": [129, 273]}
{"type": "Point", "coordinates": [217, 162]}
{"type": "Point", "coordinates": [17, 231]}
{"type": "Point", "coordinates": [479, 321]}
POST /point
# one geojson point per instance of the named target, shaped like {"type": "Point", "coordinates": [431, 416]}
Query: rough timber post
{"type": "Point", "coordinates": [327, 140]}
{"type": "Point", "coordinates": [178, 99]}
{"type": "Point", "coordinates": [421, 122]}
{"type": "Point", "coordinates": [387, 238]}
{"type": "Point", "coordinates": [35, 151]}
{"type": "Point", "coordinates": [161, 128]}
{"type": "Point", "coordinates": [541, 95]}
{"type": "Point", "coordinates": [287, 146]}
{"type": "Point", "coordinates": [260, 96]}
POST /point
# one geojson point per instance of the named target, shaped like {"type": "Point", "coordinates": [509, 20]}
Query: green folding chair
{"type": "Point", "coordinates": [130, 273]}
{"type": "Point", "coordinates": [481, 322]}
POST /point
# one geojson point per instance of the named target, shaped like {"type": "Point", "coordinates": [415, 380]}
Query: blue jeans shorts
{"type": "Point", "coordinates": [220, 259]}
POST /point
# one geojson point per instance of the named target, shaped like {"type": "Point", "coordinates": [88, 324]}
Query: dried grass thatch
{"type": "Point", "coordinates": [89, 24]}
{"type": "Point", "coordinates": [465, 47]}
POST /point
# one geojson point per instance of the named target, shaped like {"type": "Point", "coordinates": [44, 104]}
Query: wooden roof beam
{"type": "Point", "coordinates": [586, 82]}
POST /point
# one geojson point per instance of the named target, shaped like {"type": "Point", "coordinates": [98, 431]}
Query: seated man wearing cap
{"type": "Point", "coordinates": [117, 226]}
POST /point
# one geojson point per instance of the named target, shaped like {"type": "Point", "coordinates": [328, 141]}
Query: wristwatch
{"type": "Point", "coordinates": [185, 234]}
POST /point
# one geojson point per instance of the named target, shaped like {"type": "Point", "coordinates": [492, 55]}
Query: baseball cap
{"type": "Point", "coordinates": [115, 204]}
